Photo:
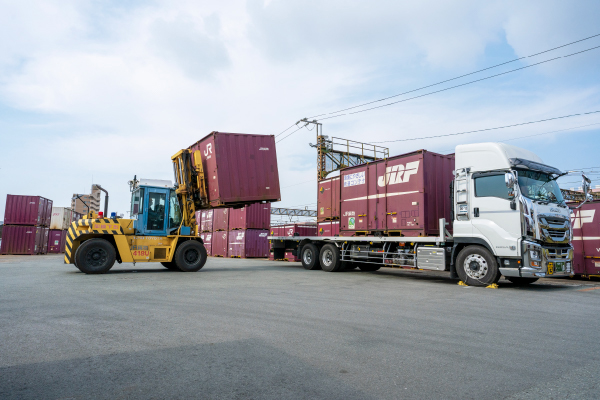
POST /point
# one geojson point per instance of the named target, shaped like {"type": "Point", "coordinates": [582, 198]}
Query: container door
{"type": "Point", "coordinates": [156, 209]}
{"type": "Point", "coordinates": [354, 195]}
{"type": "Point", "coordinates": [377, 202]}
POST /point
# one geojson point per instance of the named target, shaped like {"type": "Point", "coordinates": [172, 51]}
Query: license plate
{"type": "Point", "coordinates": [550, 268]}
{"type": "Point", "coordinates": [560, 267]}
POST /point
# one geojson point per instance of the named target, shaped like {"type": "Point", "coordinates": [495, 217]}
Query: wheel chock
{"type": "Point", "coordinates": [461, 283]}
{"type": "Point", "coordinates": [492, 286]}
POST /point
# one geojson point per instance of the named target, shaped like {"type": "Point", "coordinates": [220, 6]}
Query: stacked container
{"type": "Point", "coordinates": [328, 199]}
{"type": "Point", "coordinates": [328, 228]}
{"type": "Point", "coordinates": [207, 221]}
{"type": "Point", "coordinates": [220, 220]}
{"type": "Point", "coordinates": [207, 240]}
{"type": "Point", "coordinates": [255, 216]}
{"type": "Point", "coordinates": [219, 244]}
{"type": "Point", "coordinates": [61, 220]}
{"type": "Point", "coordinates": [26, 220]}
{"type": "Point", "coordinates": [249, 243]}
{"type": "Point", "coordinates": [306, 229]}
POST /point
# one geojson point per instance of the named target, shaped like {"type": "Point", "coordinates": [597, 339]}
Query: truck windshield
{"type": "Point", "coordinates": [539, 186]}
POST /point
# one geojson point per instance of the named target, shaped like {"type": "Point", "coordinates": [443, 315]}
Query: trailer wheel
{"type": "Point", "coordinates": [190, 256]}
{"type": "Point", "coordinates": [521, 281]}
{"type": "Point", "coordinates": [368, 267]}
{"type": "Point", "coordinates": [170, 266]}
{"type": "Point", "coordinates": [310, 256]}
{"type": "Point", "coordinates": [476, 266]}
{"type": "Point", "coordinates": [329, 258]}
{"type": "Point", "coordinates": [95, 256]}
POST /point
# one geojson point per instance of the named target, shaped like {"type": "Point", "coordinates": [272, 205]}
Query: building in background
{"type": "Point", "coordinates": [91, 200]}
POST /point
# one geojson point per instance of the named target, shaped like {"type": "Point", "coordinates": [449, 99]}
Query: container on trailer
{"type": "Point", "coordinates": [254, 216]}
{"type": "Point", "coordinates": [402, 195]}
{"type": "Point", "coordinates": [221, 219]}
{"type": "Point", "coordinates": [25, 210]}
{"type": "Point", "coordinates": [239, 168]}
{"type": "Point", "coordinates": [44, 239]}
{"type": "Point", "coordinates": [249, 243]}
{"type": "Point", "coordinates": [586, 239]}
{"type": "Point", "coordinates": [219, 244]}
{"type": "Point", "coordinates": [289, 256]}
{"type": "Point", "coordinates": [299, 230]}
{"type": "Point", "coordinates": [56, 241]}
{"type": "Point", "coordinates": [48, 213]}
{"type": "Point", "coordinates": [21, 239]}
{"type": "Point", "coordinates": [207, 221]}
{"type": "Point", "coordinates": [328, 199]}
{"type": "Point", "coordinates": [198, 217]}
{"type": "Point", "coordinates": [328, 228]}
{"type": "Point", "coordinates": [61, 219]}
{"type": "Point", "coordinates": [277, 230]}
{"type": "Point", "coordinates": [207, 240]}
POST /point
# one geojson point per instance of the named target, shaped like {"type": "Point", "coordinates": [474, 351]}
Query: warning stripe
{"type": "Point", "coordinates": [73, 233]}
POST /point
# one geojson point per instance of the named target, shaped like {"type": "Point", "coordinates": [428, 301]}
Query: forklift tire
{"type": "Point", "coordinates": [95, 256]}
{"type": "Point", "coordinates": [476, 266]}
{"type": "Point", "coordinates": [310, 256]}
{"type": "Point", "coordinates": [190, 256]}
{"type": "Point", "coordinates": [329, 258]}
{"type": "Point", "coordinates": [368, 267]}
{"type": "Point", "coordinates": [170, 266]}
{"type": "Point", "coordinates": [521, 281]}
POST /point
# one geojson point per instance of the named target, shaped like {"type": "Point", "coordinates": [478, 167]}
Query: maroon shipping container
{"type": "Point", "coordinates": [207, 221]}
{"type": "Point", "coordinates": [27, 210]}
{"type": "Point", "coordinates": [249, 243]}
{"type": "Point", "coordinates": [219, 244]}
{"type": "Point", "coordinates": [277, 230]}
{"type": "Point", "coordinates": [299, 230]}
{"type": "Point", "coordinates": [586, 239]}
{"type": "Point", "coordinates": [405, 194]}
{"type": "Point", "coordinates": [45, 235]}
{"type": "Point", "coordinates": [198, 217]}
{"type": "Point", "coordinates": [207, 240]}
{"type": "Point", "coordinates": [221, 219]}
{"type": "Point", "coordinates": [289, 256]}
{"type": "Point", "coordinates": [22, 239]}
{"type": "Point", "coordinates": [328, 199]}
{"type": "Point", "coordinates": [254, 216]}
{"type": "Point", "coordinates": [56, 241]}
{"type": "Point", "coordinates": [328, 228]}
{"type": "Point", "coordinates": [239, 168]}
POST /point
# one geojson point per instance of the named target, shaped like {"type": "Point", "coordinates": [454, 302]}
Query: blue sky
{"type": "Point", "coordinates": [99, 91]}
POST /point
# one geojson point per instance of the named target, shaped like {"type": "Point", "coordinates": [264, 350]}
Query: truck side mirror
{"type": "Point", "coordinates": [509, 179]}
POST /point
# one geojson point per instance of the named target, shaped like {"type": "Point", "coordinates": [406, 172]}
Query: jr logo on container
{"type": "Point", "coordinates": [398, 173]}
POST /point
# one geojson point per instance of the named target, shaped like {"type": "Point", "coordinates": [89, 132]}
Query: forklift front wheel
{"type": "Point", "coordinates": [95, 256]}
{"type": "Point", "coordinates": [190, 256]}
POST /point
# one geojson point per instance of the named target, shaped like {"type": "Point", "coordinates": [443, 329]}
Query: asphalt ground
{"type": "Point", "coordinates": [257, 329]}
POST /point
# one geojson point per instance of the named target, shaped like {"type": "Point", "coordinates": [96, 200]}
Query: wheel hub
{"type": "Point", "coordinates": [475, 266]}
{"type": "Point", "coordinates": [96, 257]}
{"type": "Point", "coordinates": [191, 256]}
{"type": "Point", "coordinates": [308, 256]}
{"type": "Point", "coordinates": [328, 258]}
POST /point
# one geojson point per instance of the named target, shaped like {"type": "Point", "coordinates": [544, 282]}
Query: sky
{"type": "Point", "coordinates": [99, 91]}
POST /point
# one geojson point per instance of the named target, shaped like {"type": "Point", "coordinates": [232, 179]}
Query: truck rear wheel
{"type": "Point", "coordinates": [95, 256]}
{"type": "Point", "coordinates": [329, 258]}
{"type": "Point", "coordinates": [190, 256]}
{"type": "Point", "coordinates": [476, 266]}
{"type": "Point", "coordinates": [170, 265]}
{"type": "Point", "coordinates": [521, 281]}
{"type": "Point", "coordinates": [310, 256]}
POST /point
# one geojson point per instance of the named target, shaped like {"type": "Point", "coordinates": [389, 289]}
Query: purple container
{"type": "Point", "coordinates": [299, 230]}
{"type": "Point", "coordinates": [221, 219]}
{"type": "Point", "coordinates": [254, 216]}
{"type": "Point", "coordinates": [45, 234]}
{"type": "Point", "coordinates": [22, 239]}
{"type": "Point", "coordinates": [249, 243]}
{"type": "Point", "coordinates": [207, 221]}
{"type": "Point", "coordinates": [56, 241]}
{"type": "Point", "coordinates": [219, 244]}
{"type": "Point", "coordinates": [27, 210]}
{"type": "Point", "coordinates": [586, 245]}
{"type": "Point", "coordinates": [328, 199]}
{"type": "Point", "coordinates": [406, 194]}
{"type": "Point", "coordinates": [207, 240]}
{"type": "Point", "coordinates": [240, 168]}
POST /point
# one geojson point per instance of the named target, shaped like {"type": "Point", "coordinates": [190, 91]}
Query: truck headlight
{"type": "Point", "coordinates": [534, 254]}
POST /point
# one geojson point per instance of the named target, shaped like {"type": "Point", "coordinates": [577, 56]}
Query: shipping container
{"type": "Point", "coordinates": [586, 239]}
{"type": "Point", "coordinates": [277, 230]}
{"type": "Point", "coordinates": [56, 241]}
{"type": "Point", "coordinates": [221, 219]}
{"type": "Point", "coordinates": [26, 210]}
{"type": "Point", "coordinates": [299, 230]}
{"type": "Point", "coordinates": [61, 219]}
{"type": "Point", "coordinates": [207, 221]}
{"type": "Point", "coordinates": [45, 236]}
{"type": "Point", "coordinates": [249, 243]}
{"type": "Point", "coordinates": [239, 168]}
{"type": "Point", "coordinates": [328, 228]}
{"type": "Point", "coordinates": [207, 240]}
{"type": "Point", "coordinates": [22, 239]}
{"type": "Point", "coordinates": [219, 244]}
{"type": "Point", "coordinates": [254, 216]}
{"type": "Point", "coordinates": [289, 256]}
{"type": "Point", "coordinates": [198, 216]}
{"type": "Point", "coordinates": [402, 195]}
{"type": "Point", "coordinates": [48, 213]}
{"type": "Point", "coordinates": [328, 199]}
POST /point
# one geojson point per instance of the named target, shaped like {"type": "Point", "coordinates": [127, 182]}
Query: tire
{"type": "Point", "coordinates": [521, 281]}
{"type": "Point", "coordinates": [476, 266]}
{"type": "Point", "coordinates": [368, 267]}
{"type": "Point", "coordinates": [329, 258]}
{"type": "Point", "coordinates": [170, 266]}
{"type": "Point", "coordinates": [95, 256]}
{"type": "Point", "coordinates": [190, 256]}
{"type": "Point", "coordinates": [310, 256]}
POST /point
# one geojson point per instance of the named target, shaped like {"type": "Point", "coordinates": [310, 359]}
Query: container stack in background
{"type": "Point", "coordinates": [248, 231]}
{"type": "Point", "coordinates": [61, 220]}
{"type": "Point", "coordinates": [220, 225]}
{"type": "Point", "coordinates": [26, 225]}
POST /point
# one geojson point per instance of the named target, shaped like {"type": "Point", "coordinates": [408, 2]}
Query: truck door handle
{"type": "Point", "coordinates": [476, 212]}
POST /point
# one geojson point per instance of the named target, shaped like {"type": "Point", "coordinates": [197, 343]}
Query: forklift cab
{"type": "Point", "coordinates": [155, 208]}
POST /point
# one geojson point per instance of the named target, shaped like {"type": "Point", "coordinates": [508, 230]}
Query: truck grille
{"type": "Point", "coordinates": [554, 229]}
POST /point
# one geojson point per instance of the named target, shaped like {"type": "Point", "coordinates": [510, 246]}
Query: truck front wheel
{"type": "Point", "coordinates": [310, 256]}
{"type": "Point", "coordinates": [476, 266]}
{"type": "Point", "coordinates": [329, 258]}
{"type": "Point", "coordinates": [95, 256]}
{"type": "Point", "coordinates": [190, 256]}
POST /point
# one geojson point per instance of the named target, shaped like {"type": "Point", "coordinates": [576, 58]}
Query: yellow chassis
{"type": "Point", "coordinates": [119, 232]}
